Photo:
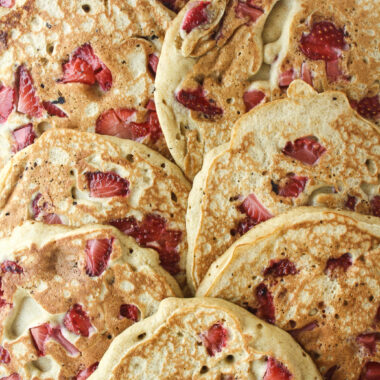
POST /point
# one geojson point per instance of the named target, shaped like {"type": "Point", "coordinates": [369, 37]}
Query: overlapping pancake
{"type": "Point", "coordinates": [204, 338]}
{"type": "Point", "coordinates": [87, 64]}
{"type": "Point", "coordinates": [210, 52]}
{"type": "Point", "coordinates": [66, 293]}
{"type": "Point", "coordinates": [314, 272]}
{"type": "Point", "coordinates": [309, 149]}
{"type": "Point", "coordinates": [76, 178]}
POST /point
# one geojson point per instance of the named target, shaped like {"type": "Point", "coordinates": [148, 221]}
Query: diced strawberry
{"type": "Point", "coordinates": [53, 110]}
{"type": "Point", "coordinates": [325, 41]}
{"type": "Point", "coordinates": [196, 100]}
{"type": "Point", "coordinates": [309, 327]}
{"type": "Point", "coordinates": [7, 102]}
{"type": "Point", "coordinates": [23, 137]}
{"type": "Point", "coordinates": [7, 3]}
{"type": "Point", "coordinates": [304, 149]}
{"type": "Point", "coordinates": [252, 99]}
{"type": "Point", "coordinates": [153, 63]}
{"type": "Point", "coordinates": [351, 202]}
{"type": "Point", "coordinates": [40, 335]}
{"type": "Point", "coordinates": [245, 9]}
{"type": "Point", "coordinates": [306, 74]}
{"type": "Point", "coordinates": [28, 100]}
{"type": "Point", "coordinates": [152, 232]}
{"type": "Point", "coordinates": [333, 71]}
{"type": "Point", "coordinates": [371, 371]}
{"type": "Point", "coordinates": [57, 335]}
{"type": "Point", "coordinates": [85, 373]}
{"type": "Point", "coordinates": [4, 356]}
{"type": "Point", "coordinates": [51, 219]}
{"type": "Point", "coordinates": [36, 208]}
{"type": "Point", "coordinates": [98, 252]}
{"type": "Point", "coordinates": [375, 205]}
{"type": "Point", "coordinates": [77, 321]}
{"type": "Point", "coordinates": [276, 371]}
{"type": "Point", "coordinates": [215, 339]}
{"type": "Point", "coordinates": [280, 268]}
{"type": "Point", "coordinates": [11, 267]}
{"type": "Point", "coordinates": [154, 127]}
{"type": "Point", "coordinates": [107, 184]}
{"type": "Point", "coordinates": [104, 78]}
{"type": "Point", "coordinates": [286, 78]}
{"type": "Point", "coordinates": [151, 106]}
{"type": "Point", "coordinates": [77, 71]}
{"type": "Point", "coordinates": [343, 262]}
{"type": "Point", "coordinates": [293, 187]}
{"type": "Point", "coordinates": [330, 372]}
{"type": "Point", "coordinates": [195, 16]}
{"type": "Point", "coordinates": [369, 341]}
{"type": "Point", "coordinates": [129, 311]}
{"type": "Point", "coordinates": [368, 107]}
{"type": "Point", "coordinates": [266, 308]}
{"type": "Point", "coordinates": [14, 376]}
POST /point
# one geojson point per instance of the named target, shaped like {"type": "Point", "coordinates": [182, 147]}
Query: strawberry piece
{"type": "Point", "coordinates": [57, 335]}
{"type": "Point", "coordinates": [293, 187]}
{"type": "Point", "coordinates": [369, 341]}
{"type": "Point", "coordinates": [28, 100]}
{"type": "Point", "coordinates": [53, 110]}
{"type": "Point", "coordinates": [196, 101]}
{"type": "Point", "coordinates": [304, 149]}
{"type": "Point", "coordinates": [52, 219]}
{"type": "Point", "coordinates": [309, 327]}
{"type": "Point", "coordinates": [368, 107]}
{"type": "Point", "coordinates": [325, 41]}
{"type": "Point", "coordinates": [14, 376]}
{"type": "Point", "coordinates": [77, 321]}
{"type": "Point", "coordinates": [371, 371]}
{"type": "Point", "coordinates": [77, 71]}
{"type": "Point", "coordinates": [286, 78]}
{"type": "Point", "coordinates": [333, 71]}
{"type": "Point", "coordinates": [330, 372]}
{"type": "Point", "coordinates": [153, 63]}
{"type": "Point", "coordinates": [98, 252]}
{"type": "Point", "coordinates": [152, 232]}
{"type": "Point", "coordinates": [23, 137]}
{"type": "Point", "coordinates": [195, 16]}
{"type": "Point", "coordinates": [11, 267]}
{"type": "Point", "coordinates": [154, 127]}
{"type": "Point", "coordinates": [36, 209]}
{"type": "Point", "coordinates": [151, 106]}
{"type": "Point", "coordinates": [351, 202]}
{"type": "Point", "coordinates": [266, 308]}
{"type": "Point", "coordinates": [107, 184]}
{"type": "Point", "coordinates": [245, 9]}
{"type": "Point", "coordinates": [343, 262]}
{"type": "Point", "coordinates": [280, 268]}
{"type": "Point", "coordinates": [4, 356]}
{"type": "Point", "coordinates": [215, 339]}
{"type": "Point", "coordinates": [7, 102]}
{"type": "Point", "coordinates": [129, 311]}
{"type": "Point", "coordinates": [306, 74]}
{"type": "Point", "coordinates": [276, 371]}
{"type": "Point", "coordinates": [85, 373]}
{"type": "Point", "coordinates": [375, 205]}
{"type": "Point", "coordinates": [252, 99]}
{"type": "Point", "coordinates": [40, 335]}
{"type": "Point", "coordinates": [7, 3]}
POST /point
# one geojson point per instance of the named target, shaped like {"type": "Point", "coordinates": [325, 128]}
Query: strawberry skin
{"type": "Point", "coordinates": [8, 266]}
{"type": "Point", "coordinates": [14, 376]}
{"type": "Point", "coordinates": [4, 356]}
{"type": "Point", "coordinates": [276, 371]}
{"type": "Point", "coordinates": [153, 63]}
{"type": "Point", "coordinates": [53, 110]}
{"type": "Point", "coordinates": [84, 374]}
{"type": "Point", "coordinates": [98, 252]}
{"type": "Point", "coordinates": [371, 371]}
{"type": "Point", "coordinates": [215, 339]}
{"type": "Point", "coordinates": [252, 99]}
{"type": "Point", "coordinates": [107, 184]}
{"type": "Point", "coordinates": [369, 107]}
{"type": "Point", "coordinates": [7, 102]}
{"type": "Point", "coordinates": [40, 335]}
{"type": "Point", "coordinates": [78, 71]}
{"type": "Point", "coordinates": [23, 137]}
{"type": "Point", "coordinates": [129, 311]}
{"type": "Point", "coordinates": [195, 16]}
{"type": "Point", "coordinates": [266, 308]}
{"type": "Point", "coordinates": [7, 3]}
{"type": "Point", "coordinates": [245, 9]}
{"type": "Point", "coordinates": [77, 321]}
{"type": "Point", "coordinates": [304, 149]}
{"type": "Point", "coordinates": [293, 187]}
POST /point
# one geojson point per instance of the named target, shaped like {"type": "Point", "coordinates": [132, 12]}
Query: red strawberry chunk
{"type": "Point", "coordinates": [351, 202]}
{"type": "Point", "coordinates": [368, 107]}
{"type": "Point", "coordinates": [77, 321]}
{"type": "Point", "coordinates": [343, 262]}
{"type": "Point", "coordinates": [330, 372]}
{"type": "Point", "coordinates": [154, 127]}
{"type": "Point", "coordinates": [85, 373]}
{"type": "Point", "coordinates": [57, 335]}
{"type": "Point", "coordinates": [104, 78]}
{"type": "Point", "coordinates": [4, 356]}
{"type": "Point", "coordinates": [286, 78]}
{"type": "Point", "coordinates": [196, 100]}
{"type": "Point", "coordinates": [78, 71]}
{"type": "Point", "coordinates": [245, 9]}
{"type": "Point", "coordinates": [293, 187]}
{"type": "Point", "coordinates": [215, 339]}
{"type": "Point", "coordinates": [276, 371]}
{"type": "Point", "coordinates": [151, 106]}
{"type": "Point", "coordinates": [266, 309]}
{"type": "Point", "coordinates": [333, 71]}
{"type": "Point", "coordinates": [280, 268]}
{"type": "Point", "coordinates": [52, 219]}
{"type": "Point", "coordinates": [130, 312]}
{"type": "Point", "coordinates": [98, 252]}
{"type": "Point", "coordinates": [107, 184]}
{"type": "Point", "coordinates": [325, 41]}
{"type": "Point", "coordinates": [53, 110]}
{"type": "Point", "coordinates": [152, 232]}
{"type": "Point", "coordinates": [304, 149]}
{"type": "Point", "coordinates": [14, 376]}
{"type": "Point", "coordinates": [375, 205]}
{"type": "Point", "coordinates": [171, 4]}
{"type": "Point", "coordinates": [28, 100]}
{"type": "Point", "coordinates": [11, 267]}
{"type": "Point", "coordinates": [36, 208]}
{"type": "Point", "coordinates": [7, 102]}
{"type": "Point", "coordinates": [40, 335]}
{"type": "Point", "coordinates": [252, 99]}
{"type": "Point", "coordinates": [7, 3]}
{"type": "Point", "coordinates": [309, 327]}
{"type": "Point", "coordinates": [369, 341]}
{"type": "Point", "coordinates": [306, 74]}
{"type": "Point", "coordinates": [153, 63]}
{"type": "Point", "coordinates": [195, 16]}
{"type": "Point", "coordinates": [371, 371]}
{"type": "Point", "coordinates": [23, 137]}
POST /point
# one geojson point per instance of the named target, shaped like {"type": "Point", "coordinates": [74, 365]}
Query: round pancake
{"type": "Point", "coordinates": [210, 51]}
{"type": "Point", "coordinates": [76, 178]}
{"type": "Point", "coordinates": [314, 272]}
{"type": "Point", "coordinates": [67, 292]}
{"type": "Point", "coordinates": [89, 64]}
{"type": "Point", "coordinates": [309, 149]}
{"type": "Point", "coordinates": [204, 338]}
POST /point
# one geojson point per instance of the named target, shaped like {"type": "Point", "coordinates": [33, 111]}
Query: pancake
{"type": "Point", "coordinates": [210, 51]}
{"type": "Point", "coordinates": [67, 292]}
{"type": "Point", "coordinates": [76, 178]}
{"type": "Point", "coordinates": [204, 338]}
{"type": "Point", "coordinates": [314, 272]}
{"type": "Point", "coordinates": [86, 64]}
{"type": "Point", "coordinates": [309, 149]}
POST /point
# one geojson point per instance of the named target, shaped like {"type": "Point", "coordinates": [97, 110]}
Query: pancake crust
{"type": "Point", "coordinates": [83, 178]}
{"type": "Point", "coordinates": [172, 344]}
{"type": "Point", "coordinates": [326, 293]}
{"type": "Point", "coordinates": [260, 163]}
{"type": "Point", "coordinates": [54, 277]}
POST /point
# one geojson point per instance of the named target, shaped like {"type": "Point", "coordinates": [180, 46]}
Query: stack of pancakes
{"type": "Point", "coordinates": [190, 189]}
